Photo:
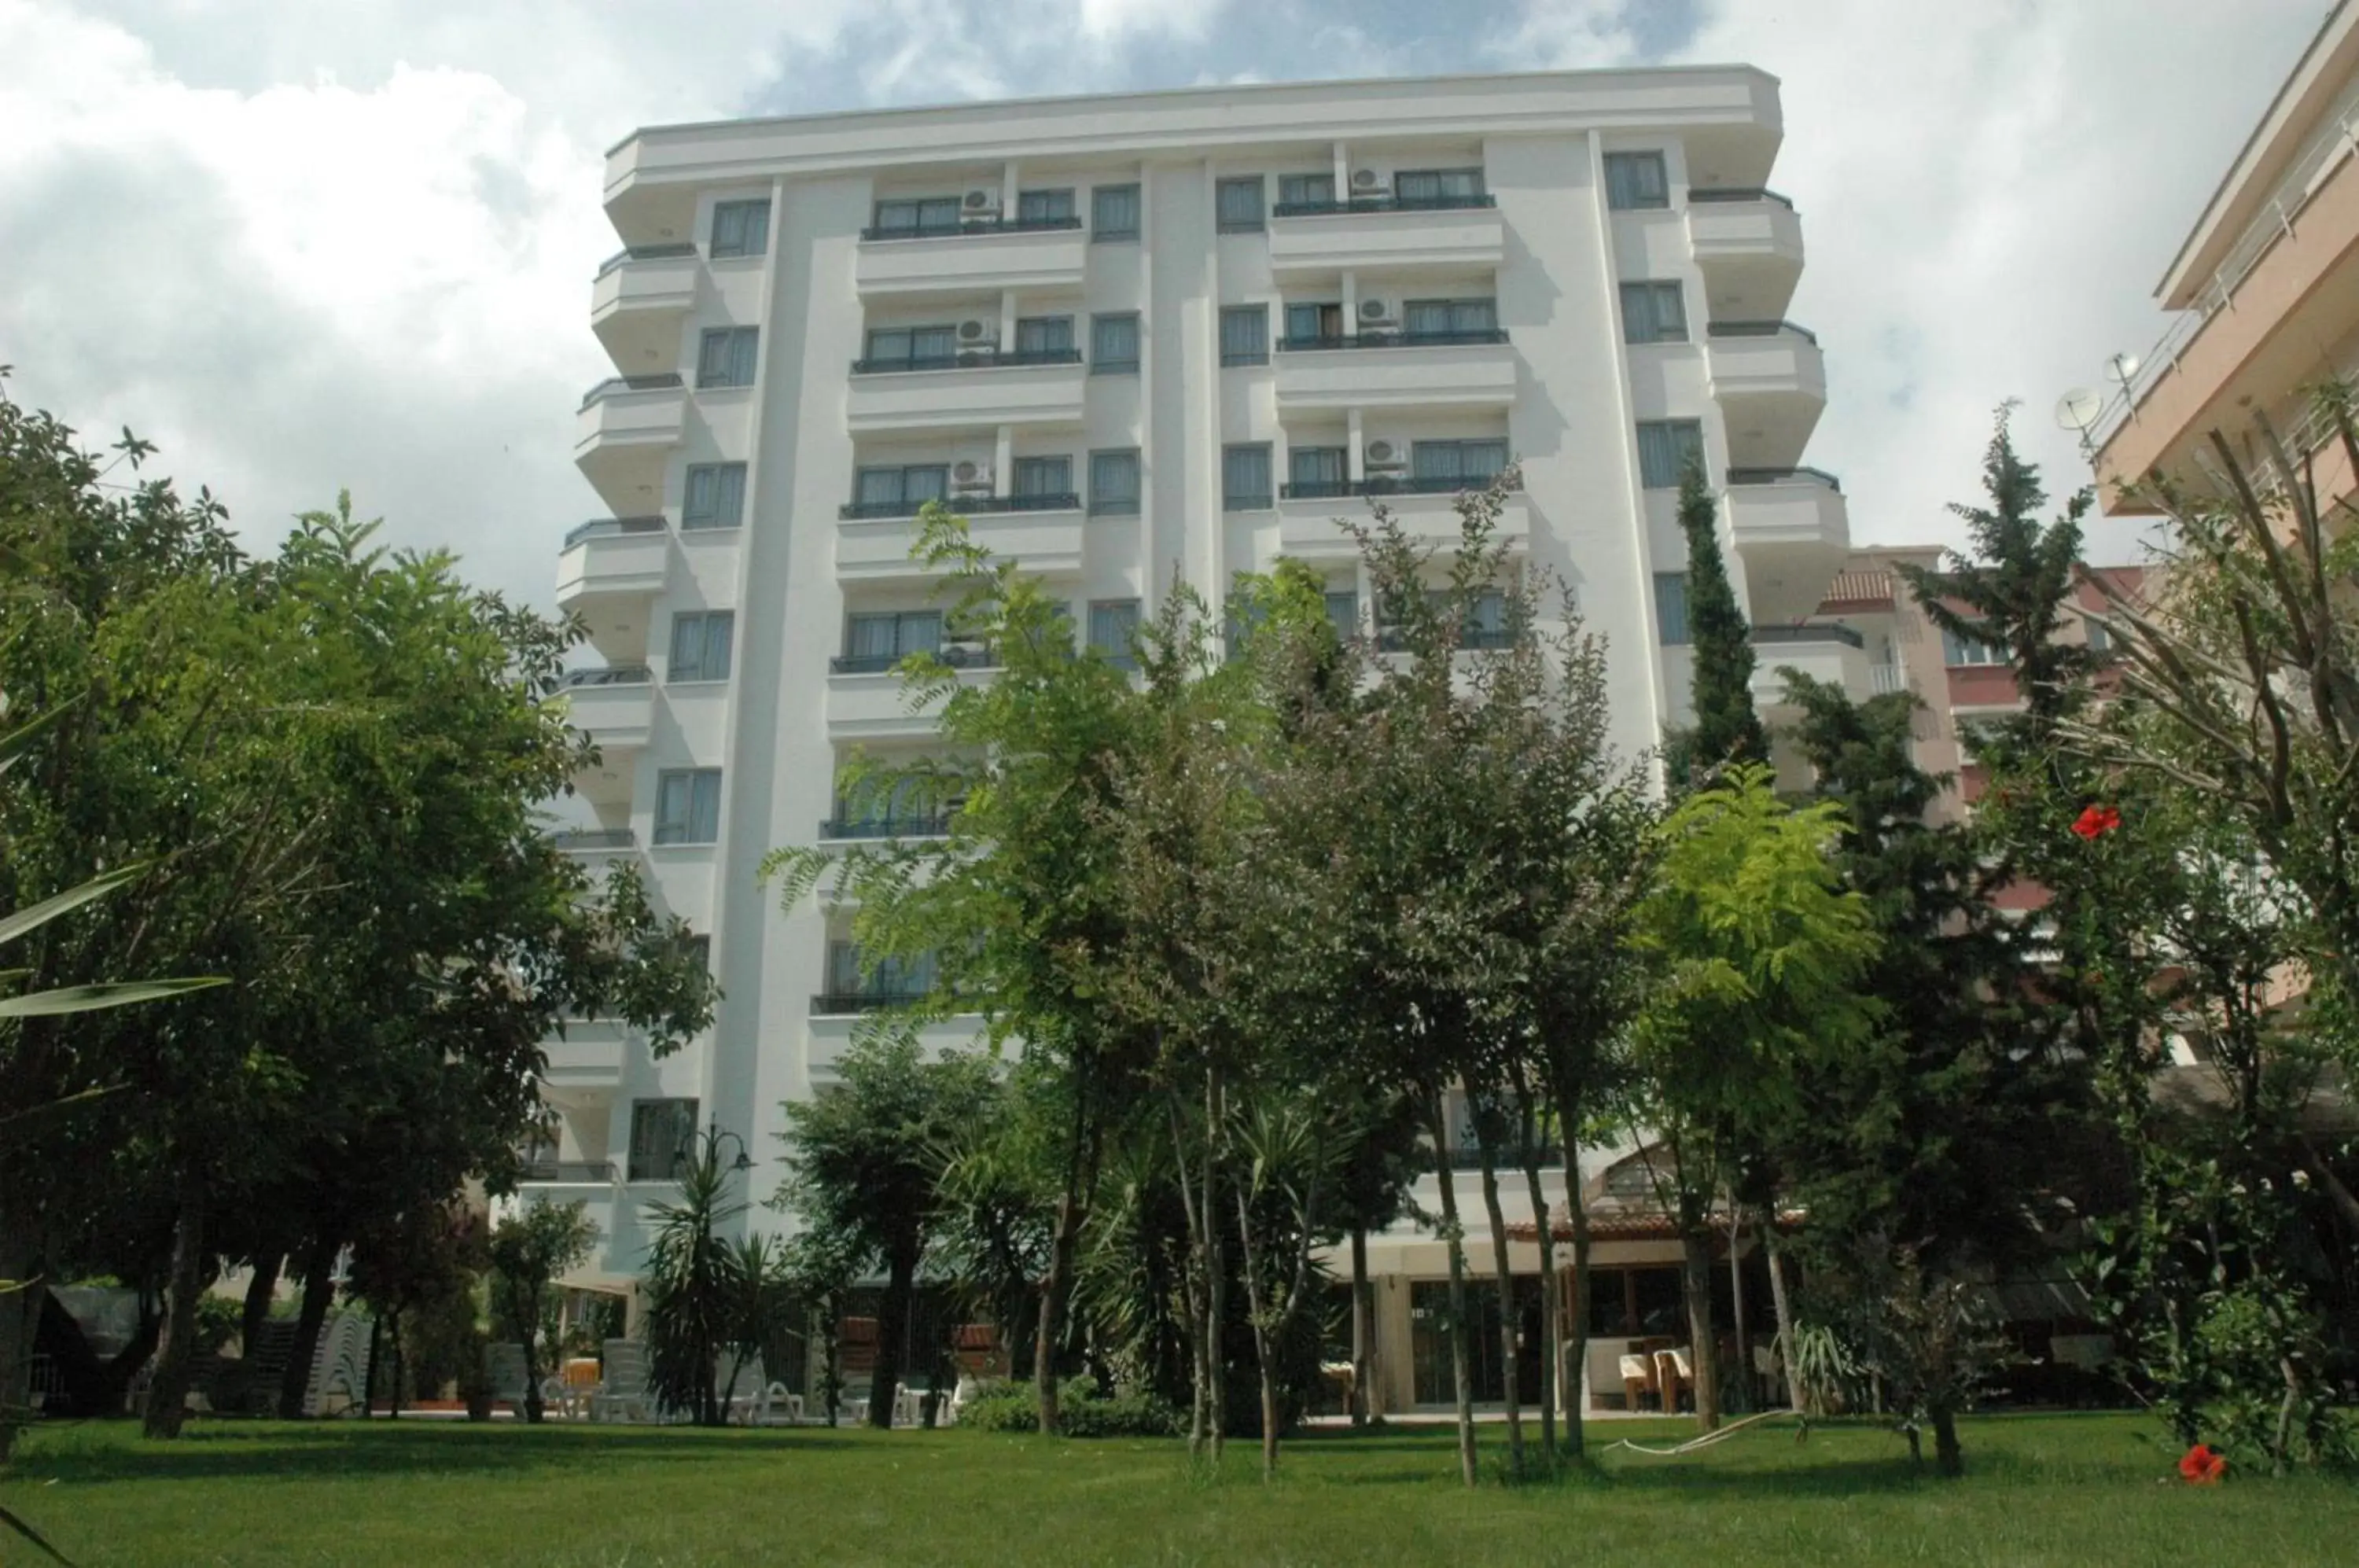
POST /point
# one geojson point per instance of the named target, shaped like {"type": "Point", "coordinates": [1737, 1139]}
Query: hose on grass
{"type": "Point", "coordinates": [1698, 1445]}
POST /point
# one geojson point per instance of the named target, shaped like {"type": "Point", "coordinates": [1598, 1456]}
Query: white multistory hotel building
{"type": "Point", "coordinates": [1135, 336]}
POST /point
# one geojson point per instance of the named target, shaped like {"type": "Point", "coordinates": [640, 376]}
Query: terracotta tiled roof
{"type": "Point", "coordinates": [1858, 588]}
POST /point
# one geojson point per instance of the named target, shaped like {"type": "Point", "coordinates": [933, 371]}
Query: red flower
{"type": "Point", "coordinates": [2096, 821]}
{"type": "Point", "coordinates": [2202, 1465]}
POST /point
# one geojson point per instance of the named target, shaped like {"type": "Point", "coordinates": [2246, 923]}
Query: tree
{"type": "Point", "coordinates": [1761, 956]}
{"type": "Point", "coordinates": [528, 1250]}
{"type": "Point", "coordinates": [1727, 731]}
{"type": "Point", "coordinates": [693, 1286]}
{"type": "Point", "coordinates": [866, 1160]}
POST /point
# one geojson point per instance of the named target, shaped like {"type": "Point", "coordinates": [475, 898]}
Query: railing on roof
{"type": "Point", "coordinates": [601, 528]}
{"type": "Point", "coordinates": [671, 252]}
{"type": "Point", "coordinates": [1705, 196]}
{"type": "Point", "coordinates": [2332, 141]}
{"type": "Point", "coordinates": [1759, 330]}
{"type": "Point", "coordinates": [663, 381]}
{"type": "Point", "coordinates": [1776, 635]}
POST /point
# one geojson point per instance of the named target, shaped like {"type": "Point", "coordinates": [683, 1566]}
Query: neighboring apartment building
{"type": "Point", "coordinates": [1130, 337]}
{"type": "Point", "coordinates": [2268, 282]}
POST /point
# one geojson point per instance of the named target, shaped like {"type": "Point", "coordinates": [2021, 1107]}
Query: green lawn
{"type": "Point", "coordinates": [2064, 1489]}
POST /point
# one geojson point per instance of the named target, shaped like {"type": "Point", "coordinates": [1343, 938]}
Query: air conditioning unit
{"type": "Point", "coordinates": [1387, 454]}
{"type": "Point", "coordinates": [1375, 314]}
{"type": "Point", "coordinates": [971, 476]}
{"type": "Point", "coordinates": [975, 331]}
{"type": "Point", "coordinates": [980, 203]}
{"type": "Point", "coordinates": [1366, 181]}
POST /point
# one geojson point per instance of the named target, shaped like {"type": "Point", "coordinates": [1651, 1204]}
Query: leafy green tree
{"type": "Point", "coordinates": [528, 1251]}
{"type": "Point", "coordinates": [866, 1160]}
{"type": "Point", "coordinates": [1727, 731]}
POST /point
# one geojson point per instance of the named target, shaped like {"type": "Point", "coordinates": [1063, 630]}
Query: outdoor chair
{"type": "Point", "coordinates": [504, 1366]}
{"type": "Point", "coordinates": [1637, 1381]}
{"type": "Point", "coordinates": [1673, 1378]}
{"type": "Point", "coordinates": [1769, 1371]}
{"type": "Point", "coordinates": [622, 1394]}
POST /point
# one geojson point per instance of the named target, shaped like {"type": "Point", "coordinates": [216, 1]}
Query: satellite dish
{"type": "Point", "coordinates": [2078, 409]}
{"type": "Point", "coordinates": [2124, 366]}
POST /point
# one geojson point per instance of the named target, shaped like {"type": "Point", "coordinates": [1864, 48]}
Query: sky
{"type": "Point", "coordinates": [348, 243]}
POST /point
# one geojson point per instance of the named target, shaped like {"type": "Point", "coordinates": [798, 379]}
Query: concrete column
{"type": "Point", "coordinates": [1003, 459]}
{"type": "Point", "coordinates": [1343, 173]}
{"type": "Point", "coordinates": [1007, 321]}
{"type": "Point", "coordinates": [1355, 456]}
{"type": "Point", "coordinates": [1351, 304]}
{"type": "Point", "coordinates": [1008, 181]}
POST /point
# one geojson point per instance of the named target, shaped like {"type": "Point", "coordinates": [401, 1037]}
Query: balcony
{"type": "Point", "coordinates": [615, 705]}
{"type": "Point", "coordinates": [588, 1055]}
{"type": "Point", "coordinates": [980, 388]}
{"type": "Point", "coordinates": [1835, 654]}
{"type": "Point", "coordinates": [591, 842]}
{"type": "Point", "coordinates": [861, 707]}
{"type": "Point", "coordinates": [1309, 239]}
{"type": "Point", "coordinates": [850, 830]}
{"type": "Point", "coordinates": [629, 426]}
{"type": "Point", "coordinates": [987, 255]}
{"type": "Point", "coordinates": [1465, 370]}
{"type": "Point", "coordinates": [639, 301]}
{"type": "Point", "coordinates": [1042, 534]}
{"type": "Point", "coordinates": [1426, 508]}
{"type": "Point", "coordinates": [1771, 380]}
{"type": "Point", "coordinates": [1748, 244]}
{"type": "Point", "coordinates": [569, 1173]}
{"type": "Point", "coordinates": [1793, 529]}
{"type": "Point", "coordinates": [848, 1003]}
{"type": "Point", "coordinates": [609, 571]}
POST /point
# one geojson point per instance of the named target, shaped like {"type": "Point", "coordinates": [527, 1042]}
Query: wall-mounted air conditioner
{"type": "Point", "coordinates": [971, 476]}
{"type": "Point", "coordinates": [1375, 314]}
{"type": "Point", "coordinates": [1386, 454]}
{"type": "Point", "coordinates": [978, 331]}
{"type": "Point", "coordinates": [982, 202]}
{"type": "Point", "coordinates": [1366, 182]}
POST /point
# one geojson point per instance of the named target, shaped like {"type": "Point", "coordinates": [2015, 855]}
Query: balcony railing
{"type": "Point", "coordinates": [1379, 485]}
{"type": "Point", "coordinates": [1759, 330]}
{"type": "Point", "coordinates": [574, 1171]}
{"type": "Point", "coordinates": [1700, 196]}
{"type": "Point", "coordinates": [1782, 475]}
{"type": "Point", "coordinates": [1384, 204]}
{"type": "Point", "coordinates": [663, 381]}
{"type": "Point", "coordinates": [1777, 635]}
{"type": "Point", "coordinates": [974, 226]}
{"type": "Point", "coordinates": [1392, 639]}
{"type": "Point", "coordinates": [837, 1004]}
{"type": "Point", "coordinates": [967, 359]}
{"type": "Point", "coordinates": [930, 824]}
{"type": "Point", "coordinates": [613, 675]}
{"type": "Point", "coordinates": [1394, 339]}
{"type": "Point", "coordinates": [965, 505]}
{"type": "Point", "coordinates": [589, 841]}
{"type": "Point", "coordinates": [953, 655]}
{"type": "Point", "coordinates": [601, 528]}
{"type": "Point", "coordinates": [645, 253]}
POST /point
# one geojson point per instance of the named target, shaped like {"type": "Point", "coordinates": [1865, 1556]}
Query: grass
{"type": "Point", "coordinates": [2062, 1489]}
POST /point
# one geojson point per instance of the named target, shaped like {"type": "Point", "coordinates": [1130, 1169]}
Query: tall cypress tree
{"type": "Point", "coordinates": [1726, 729]}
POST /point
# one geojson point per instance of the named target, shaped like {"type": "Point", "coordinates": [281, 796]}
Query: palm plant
{"type": "Point", "coordinates": [693, 1283]}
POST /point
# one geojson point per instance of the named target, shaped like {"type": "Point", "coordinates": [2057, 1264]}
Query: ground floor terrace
{"type": "Point", "coordinates": [2037, 1490]}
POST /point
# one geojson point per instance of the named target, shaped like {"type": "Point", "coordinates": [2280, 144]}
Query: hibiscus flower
{"type": "Point", "coordinates": [2096, 821]}
{"type": "Point", "coordinates": [2202, 1465]}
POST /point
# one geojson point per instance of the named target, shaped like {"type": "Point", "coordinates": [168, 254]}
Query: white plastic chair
{"type": "Point", "coordinates": [623, 1393]}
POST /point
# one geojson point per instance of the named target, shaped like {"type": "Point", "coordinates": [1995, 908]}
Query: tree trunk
{"type": "Point", "coordinates": [1552, 1305]}
{"type": "Point", "coordinates": [400, 1366]}
{"type": "Point", "coordinates": [1454, 1241]}
{"type": "Point", "coordinates": [1364, 1327]}
{"type": "Point", "coordinates": [319, 1264]}
{"type": "Point", "coordinates": [1736, 1307]}
{"type": "Point", "coordinates": [1508, 1318]}
{"type": "Point", "coordinates": [1704, 1352]}
{"type": "Point", "coordinates": [1053, 1303]}
{"type": "Point", "coordinates": [20, 1313]}
{"type": "Point", "coordinates": [167, 1391]}
{"type": "Point", "coordinates": [1200, 1359]}
{"type": "Point", "coordinates": [892, 1331]}
{"type": "Point", "coordinates": [1576, 1203]}
{"type": "Point", "coordinates": [1947, 1459]}
{"type": "Point", "coordinates": [1784, 1310]}
{"type": "Point", "coordinates": [368, 1382]}
{"type": "Point", "coordinates": [1216, 1269]}
{"type": "Point", "coordinates": [259, 1291]}
{"type": "Point", "coordinates": [533, 1409]}
{"type": "Point", "coordinates": [1264, 1335]}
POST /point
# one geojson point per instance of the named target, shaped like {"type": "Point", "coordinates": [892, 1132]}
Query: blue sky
{"type": "Point", "coordinates": [349, 244]}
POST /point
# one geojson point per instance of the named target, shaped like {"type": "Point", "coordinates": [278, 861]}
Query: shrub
{"type": "Point", "coordinates": [1011, 1407]}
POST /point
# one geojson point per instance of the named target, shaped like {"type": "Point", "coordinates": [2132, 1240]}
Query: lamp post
{"type": "Point", "coordinates": [714, 1135]}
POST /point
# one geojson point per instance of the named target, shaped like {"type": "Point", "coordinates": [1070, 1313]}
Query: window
{"type": "Point", "coordinates": [915, 348]}
{"type": "Point", "coordinates": [1044, 337]}
{"type": "Point", "coordinates": [1042, 478]}
{"type": "Point", "coordinates": [2100, 639]}
{"type": "Point", "coordinates": [1653, 312]}
{"type": "Point", "coordinates": [1114, 213]}
{"type": "Point", "coordinates": [1245, 477]}
{"type": "Point", "coordinates": [688, 805]}
{"type": "Point", "coordinates": [716, 496]}
{"type": "Point", "coordinates": [1316, 471]}
{"type": "Point", "coordinates": [727, 358]}
{"type": "Point", "coordinates": [1971, 651]}
{"type": "Point", "coordinates": [881, 489]}
{"type": "Point", "coordinates": [1666, 447]}
{"type": "Point", "coordinates": [1113, 344]}
{"type": "Point", "coordinates": [1464, 462]}
{"type": "Point", "coordinates": [663, 1139]}
{"type": "Point", "coordinates": [879, 641]}
{"type": "Point", "coordinates": [1343, 611]}
{"type": "Point", "coordinates": [1044, 207]}
{"type": "Point", "coordinates": [1437, 186]}
{"type": "Point", "coordinates": [917, 215]}
{"type": "Point", "coordinates": [891, 979]}
{"type": "Point", "coordinates": [1114, 483]}
{"type": "Point", "coordinates": [1635, 180]}
{"type": "Point", "coordinates": [1671, 608]}
{"type": "Point", "coordinates": [1113, 628]}
{"type": "Point", "coordinates": [741, 228]}
{"type": "Point", "coordinates": [699, 644]}
{"type": "Point", "coordinates": [1245, 334]}
{"type": "Point", "coordinates": [1448, 319]}
{"type": "Point", "coordinates": [1485, 624]}
{"type": "Point", "coordinates": [1306, 189]}
{"type": "Point", "coordinates": [1237, 205]}
{"type": "Point", "coordinates": [1314, 324]}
